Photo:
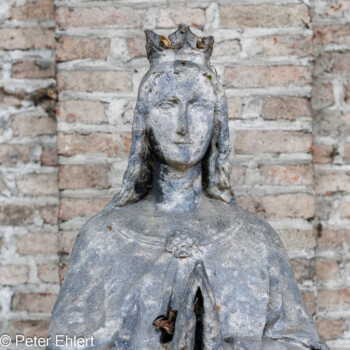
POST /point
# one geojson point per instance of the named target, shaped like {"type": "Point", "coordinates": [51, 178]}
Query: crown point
{"type": "Point", "coordinates": [181, 45]}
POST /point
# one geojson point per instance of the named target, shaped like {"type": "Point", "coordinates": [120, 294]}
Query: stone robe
{"type": "Point", "coordinates": [120, 280]}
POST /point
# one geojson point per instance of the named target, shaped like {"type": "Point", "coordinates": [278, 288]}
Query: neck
{"type": "Point", "coordinates": [175, 189]}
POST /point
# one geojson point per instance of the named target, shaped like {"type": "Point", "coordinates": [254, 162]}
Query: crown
{"type": "Point", "coordinates": [181, 45]}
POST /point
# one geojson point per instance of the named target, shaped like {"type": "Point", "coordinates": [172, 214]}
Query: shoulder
{"type": "Point", "coordinates": [257, 225]}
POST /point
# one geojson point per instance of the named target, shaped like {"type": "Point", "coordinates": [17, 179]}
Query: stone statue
{"type": "Point", "coordinates": [173, 261]}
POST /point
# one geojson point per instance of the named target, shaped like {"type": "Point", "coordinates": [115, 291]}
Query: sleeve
{"type": "Point", "coordinates": [77, 311]}
{"type": "Point", "coordinates": [288, 321]}
{"type": "Point", "coordinates": [289, 325]}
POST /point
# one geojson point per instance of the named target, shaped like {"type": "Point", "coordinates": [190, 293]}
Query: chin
{"type": "Point", "coordinates": [182, 163]}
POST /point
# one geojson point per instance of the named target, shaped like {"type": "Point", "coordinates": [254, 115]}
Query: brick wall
{"type": "Point", "coordinates": [290, 158]}
{"type": "Point", "coordinates": [28, 174]}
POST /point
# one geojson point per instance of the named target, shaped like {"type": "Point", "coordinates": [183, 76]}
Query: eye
{"type": "Point", "coordinates": [167, 105]}
{"type": "Point", "coordinates": [196, 104]}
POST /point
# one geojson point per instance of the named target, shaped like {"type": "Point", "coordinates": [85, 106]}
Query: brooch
{"type": "Point", "coordinates": [181, 245]}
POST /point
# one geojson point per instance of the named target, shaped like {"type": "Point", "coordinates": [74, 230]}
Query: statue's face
{"type": "Point", "coordinates": [180, 119]}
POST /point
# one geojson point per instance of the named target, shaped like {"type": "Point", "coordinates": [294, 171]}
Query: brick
{"type": "Point", "coordinates": [295, 239]}
{"type": "Point", "coordinates": [248, 16]}
{"type": "Point", "coordinates": [304, 269]}
{"type": "Point", "coordinates": [98, 17]}
{"type": "Point", "coordinates": [333, 239]}
{"type": "Point", "coordinates": [347, 152]}
{"type": "Point", "coordinates": [73, 207]}
{"type": "Point", "coordinates": [38, 184]}
{"type": "Point", "coordinates": [288, 108]}
{"type": "Point", "coordinates": [238, 175]}
{"type": "Point", "coordinates": [34, 302]}
{"type": "Point", "coordinates": [310, 302]}
{"type": "Point", "coordinates": [227, 48]}
{"type": "Point", "coordinates": [83, 176]}
{"type": "Point", "coordinates": [25, 125]}
{"type": "Point", "coordinates": [12, 155]}
{"type": "Point", "coordinates": [260, 76]}
{"type": "Point", "coordinates": [283, 45]}
{"type": "Point", "coordinates": [79, 48]}
{"type": "Point", "coordinates": [81, 112]}
{"type": "Point", "coordinates": [98, 81]}
{"type": "Point", "coordinates": [136, 47]}
{"type": "Point", "coordinates": [173, 17]}
{"type": "Point", "coordinates": [334, 63]}
{"type": "Point", "coordinates": [327, 270]}
{"type": "Point", "coordinates": [66, 241]}
{"type": "Point", "coordinates": [2, 186]}
{"type": "Point", "coordinates": [330, 329]}
{"type": "Point", "coordinates": [27, 38]}
{"type": "Point", "coordinates": [331, 34]}
{"type": "Point", "coordinates": [281, 206]}
{"type": "Point", "coordinates": [49, 156]}
{"type": "Point", "coordinates": [12, 275]}
{"type": "Point", "coordinates": [37, 243]}
{"type": "Point", "coordinates": [288, 174]}
{"type": "Point", "coordinates": [234, 105]}
{"type": "Point", "coordinates": [39, 9]}
{"type": "Point", "coordinates": [16, 215]}
{"type": "Point", "coordinates": [30, 328]}
{"type": "Point", "coordinates": [111, 144]}
{"type": "Point", "coordinates": [49, 214]}
{"type": "Point", "coordinates": [62, 272]}
{"type": "Point", "coordinates": [255, 142]}
{"type": "Point", "coordinates": [329, 183]}
{"type": "Point", "coordinates": [345, 210]}
{"type": "Point", "coordinates": [48, 273]}
{"type": "Point", "coordinates": [333, 299]}
{"type": "Point", "coordinates": [33, 70]}
{"type": "Point", "coordinates": [323, 154]}
{"type": "Point", "coordinates": [7, 101]}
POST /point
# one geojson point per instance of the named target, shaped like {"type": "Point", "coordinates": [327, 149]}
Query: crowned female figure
{"type": "Point", "coordinates": [173, 261]}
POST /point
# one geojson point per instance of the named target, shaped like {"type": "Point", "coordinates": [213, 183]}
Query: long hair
{"type": "Point", "coordinates": [137, 180]}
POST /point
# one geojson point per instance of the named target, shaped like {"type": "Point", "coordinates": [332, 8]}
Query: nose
{"type": "Point", "coordinates": [181, 127]}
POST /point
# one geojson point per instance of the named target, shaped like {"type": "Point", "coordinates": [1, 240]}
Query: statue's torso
{"type": "Point", "coordinates": [130, 265]}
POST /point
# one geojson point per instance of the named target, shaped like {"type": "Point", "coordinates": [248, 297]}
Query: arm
{"type": "Point", "coordinates": [288, 321]}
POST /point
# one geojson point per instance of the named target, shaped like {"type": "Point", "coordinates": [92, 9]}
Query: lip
{"type": "Point", "coordinates": [178, 142]}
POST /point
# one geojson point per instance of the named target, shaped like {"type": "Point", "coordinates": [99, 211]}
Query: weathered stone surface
{"type": "Point", "coordinates": [176, 198]}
